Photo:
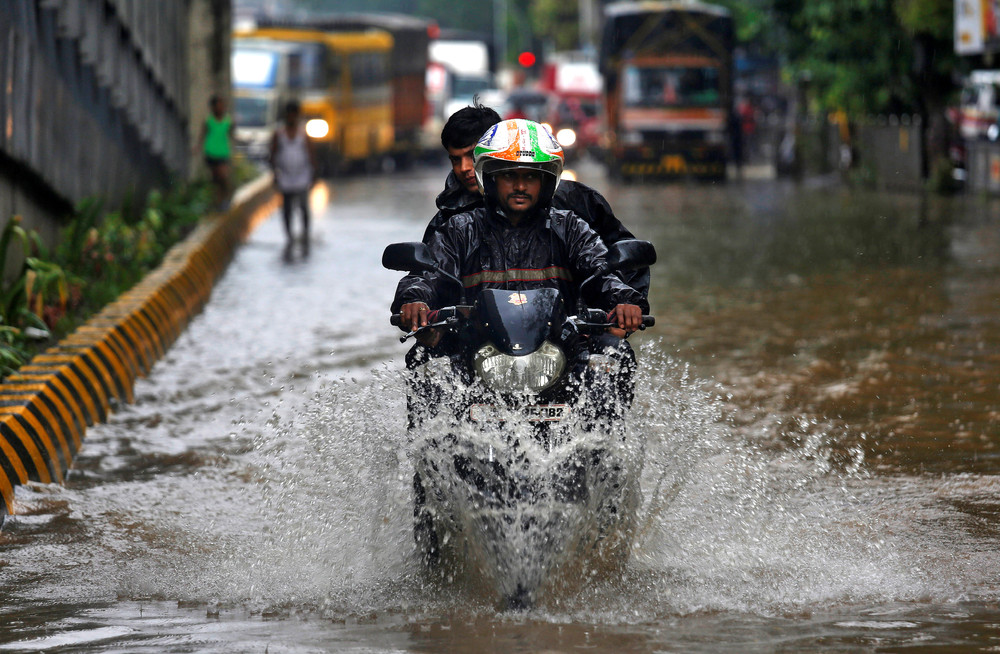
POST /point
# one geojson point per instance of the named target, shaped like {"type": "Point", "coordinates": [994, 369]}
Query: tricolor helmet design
{"type": "Point", "coordinates": [518, 143]}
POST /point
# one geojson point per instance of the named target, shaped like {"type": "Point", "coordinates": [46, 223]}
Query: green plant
{"type": "Point", "coordinates": [19, 325]}
{"type": "Point", "coordinates": [110, 251]}
{"type": "Point", "coordinates": [100, 255]}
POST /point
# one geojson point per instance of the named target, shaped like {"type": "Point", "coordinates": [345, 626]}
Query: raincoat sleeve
{"type": "Point", "coordinates": [439, 219]}
{"type": "Point", "coordinates": [595, 210]}
{"type": "Point", "coordinates": [587, 254]}
{"type": "Point", "coordinates": [453, 200]}
{"type": "Point", "coordinates": [447, 245]}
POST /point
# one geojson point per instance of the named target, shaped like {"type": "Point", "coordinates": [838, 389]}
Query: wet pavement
{"type": "Point", "coordinates": [819, 402]}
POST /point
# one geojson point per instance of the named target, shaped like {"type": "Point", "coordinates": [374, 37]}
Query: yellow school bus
{"type": "Point", "coordinates": [342, 80]}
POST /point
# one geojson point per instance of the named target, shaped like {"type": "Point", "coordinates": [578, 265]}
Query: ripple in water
{"type": "Point", "coordinates": [728, 520]}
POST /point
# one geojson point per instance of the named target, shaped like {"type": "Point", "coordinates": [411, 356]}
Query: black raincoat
{"type": "Point", "coordinates": [548, 248]}
{"type": "Point", "coordinates": [579, 198]}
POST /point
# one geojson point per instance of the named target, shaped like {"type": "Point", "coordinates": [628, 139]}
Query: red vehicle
{"type": "Point", "coordinates": [574, 113]}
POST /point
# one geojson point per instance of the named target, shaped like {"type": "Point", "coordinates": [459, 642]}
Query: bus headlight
{"type": "Point", "coordinates": [566, 137]}
{"type": "Point", "coordinates": [531, 373]}
{"type": "Point", "coordinates": [317, 128]}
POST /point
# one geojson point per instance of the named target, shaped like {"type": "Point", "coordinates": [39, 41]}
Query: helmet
{"type": "Point", "coordinates": [518, 143]}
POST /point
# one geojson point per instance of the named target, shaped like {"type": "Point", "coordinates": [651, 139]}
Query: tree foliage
{"type": "Point", "coordinates": [557, 22]}
{"type": "Point", "coordinates": [862, 56]}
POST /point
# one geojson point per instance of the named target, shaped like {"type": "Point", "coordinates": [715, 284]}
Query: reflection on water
{"type": "Point", "coordinates": [818, 403]}
{"type": "Point", "coordinates": [878, 312]}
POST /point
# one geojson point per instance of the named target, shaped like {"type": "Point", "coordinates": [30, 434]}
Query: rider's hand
{"type": "Point", "coordinates": [628, 317]}
{"type": "Point", "coordinates": [414, 315]}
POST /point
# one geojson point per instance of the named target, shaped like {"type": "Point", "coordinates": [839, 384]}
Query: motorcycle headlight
{"type": "Point", "coordinates": [531, 373]}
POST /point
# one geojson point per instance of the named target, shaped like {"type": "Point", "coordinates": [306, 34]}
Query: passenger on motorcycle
{"type": "Point", "coordinates": [518, 240]}
{"type": "Point", "coordinates": [461, 192]}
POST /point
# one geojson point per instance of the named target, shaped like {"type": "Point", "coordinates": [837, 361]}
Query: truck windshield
{"type": "Point", "coordinates": [254, 69]}
{"type": "Point", "coordinates": [671, 86]}
{"type": "Point", "coordinates": [252, 112]}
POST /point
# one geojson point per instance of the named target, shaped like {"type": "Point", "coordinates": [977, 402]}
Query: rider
{"type": "Point", "coordinates": [518, 239]}
{"type": "Point", "coordinates": [512, 238]}
{"type": "Point", "coordinates": [461, 191]}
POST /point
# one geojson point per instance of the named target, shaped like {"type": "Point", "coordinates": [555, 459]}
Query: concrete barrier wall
{"type": "Point", "coordinates": [47, 406]}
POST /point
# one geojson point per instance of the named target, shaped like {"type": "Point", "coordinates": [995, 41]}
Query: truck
{"type": "Point", "coordinates": [978, 113]}
{"type": "Point", "coordinates": [463, 65]}
{"type": "Point", "coordinates": [574, 84]}
{"type": "Point", "coordinates": [668, 89]}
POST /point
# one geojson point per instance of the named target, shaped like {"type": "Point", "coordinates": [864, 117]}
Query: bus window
{"type": "Point", "coordinates": [333, 67]}
{"type": "Point", "coordinates": [368, 70]}
{"type": "Point", "coordinates": [314, 66]}
{"type": "Point", "coordinates": [295, 77]}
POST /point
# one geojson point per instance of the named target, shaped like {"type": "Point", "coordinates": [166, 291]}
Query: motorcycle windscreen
{"type": "Point", "coordinates": [518, 322]}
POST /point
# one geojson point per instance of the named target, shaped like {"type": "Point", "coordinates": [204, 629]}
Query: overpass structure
{"type": "Point", "coordinates": [102, 98]}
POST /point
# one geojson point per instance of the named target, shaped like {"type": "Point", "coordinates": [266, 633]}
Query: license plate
{"type": "Point", "coordinates": [532, 413]}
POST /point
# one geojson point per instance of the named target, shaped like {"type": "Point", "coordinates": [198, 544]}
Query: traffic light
{"type": "Point", "coordinates": [526, 59]}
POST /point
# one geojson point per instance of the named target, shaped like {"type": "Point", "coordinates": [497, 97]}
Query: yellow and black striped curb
{"type": "Point", "coordinates": [46, 406]}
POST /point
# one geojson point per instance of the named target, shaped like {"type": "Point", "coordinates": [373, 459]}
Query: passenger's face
{"type": "Point", "coordinates": [463, 166]}
{"type": "Point", "coordinates": [518, 190]}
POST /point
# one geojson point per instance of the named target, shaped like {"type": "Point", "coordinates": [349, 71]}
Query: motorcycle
{"type": "Point", "coordinates": [524, 476]}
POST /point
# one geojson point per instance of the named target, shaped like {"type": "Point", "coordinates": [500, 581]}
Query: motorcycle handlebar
{"type": "Point", "coordinates": [396, 320]}
{"type": "Point", "coordinates": [647, 321]}
{"type": "Point", "coordinates": [436, 315]}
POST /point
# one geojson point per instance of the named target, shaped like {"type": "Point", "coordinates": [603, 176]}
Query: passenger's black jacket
{"type": "Point", "coordinates": [579, 198]}
{"type": "Point", "coordinates": [548, 248]}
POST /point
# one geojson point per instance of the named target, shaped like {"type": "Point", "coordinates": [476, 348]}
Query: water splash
{"type": "Point", "coordinates": [767, 519]}
{"type": "Point", "coordinates": [520, 510]}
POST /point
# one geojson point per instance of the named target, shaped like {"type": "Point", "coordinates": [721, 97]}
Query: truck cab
{"type": "Point", "coordinates": [668, 69]}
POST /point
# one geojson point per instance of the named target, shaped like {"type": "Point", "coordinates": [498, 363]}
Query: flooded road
{"type": "Point", "coordinates": [819, 399]}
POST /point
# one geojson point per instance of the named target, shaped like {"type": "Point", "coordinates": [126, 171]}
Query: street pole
{"type": "Point", "coordinates": [500, 31]}
{"type": "Point", "coordinates": [588, 25]}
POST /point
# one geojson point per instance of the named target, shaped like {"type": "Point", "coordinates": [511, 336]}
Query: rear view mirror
{"type": "Point", "coordinates": [631, 254]}
{"type": "Point", "coordinates": [408, 257]}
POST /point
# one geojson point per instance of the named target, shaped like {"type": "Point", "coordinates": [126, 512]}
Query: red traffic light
{"type": "Point", "coordinates": [526, 59]}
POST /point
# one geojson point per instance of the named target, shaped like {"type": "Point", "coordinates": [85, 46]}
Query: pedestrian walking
{"type": "Point", "coordinates": [216, 137]}
{"type": "Point", "coordinates": [293, 161]}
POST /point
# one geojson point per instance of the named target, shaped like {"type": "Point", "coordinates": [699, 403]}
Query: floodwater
{"type": "Point", "coordinates": [819, 405]}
